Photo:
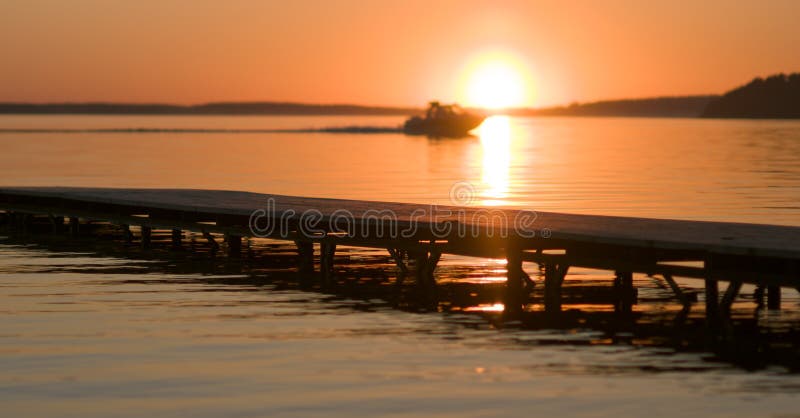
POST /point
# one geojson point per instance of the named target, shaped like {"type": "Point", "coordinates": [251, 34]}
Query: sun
{"type": "Point", "coordinates": [496, 81]}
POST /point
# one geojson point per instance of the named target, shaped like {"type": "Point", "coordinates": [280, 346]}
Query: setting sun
{"type": "Point", "coordinates": [496, 86]}
{"type": "Point", "coordinates": [496, 80]}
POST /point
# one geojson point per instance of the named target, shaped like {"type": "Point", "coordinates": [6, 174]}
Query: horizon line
{"type": "Point", "coordinates": [200, 105]}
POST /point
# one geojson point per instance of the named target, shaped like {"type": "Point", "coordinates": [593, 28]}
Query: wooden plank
{"type": "Point", "coordinates": [724, 238]}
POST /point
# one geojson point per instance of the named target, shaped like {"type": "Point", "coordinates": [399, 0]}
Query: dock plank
{"type": "Point", "coordinates": [717, 237]}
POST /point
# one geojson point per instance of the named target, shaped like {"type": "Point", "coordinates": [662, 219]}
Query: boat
{"type": "Point", "coordinates": [443, 121]}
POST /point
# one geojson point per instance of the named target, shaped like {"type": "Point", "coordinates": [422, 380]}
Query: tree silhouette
{"type": "Point", "coordinates": [777, 96]}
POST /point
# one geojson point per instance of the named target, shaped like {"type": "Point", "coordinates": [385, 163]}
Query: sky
{"type": "Point", "coordinates": [388, 52]}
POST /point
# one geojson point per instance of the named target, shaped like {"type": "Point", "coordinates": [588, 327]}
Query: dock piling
{"type": "Point", "coordinates": [305, 253]}
{"type": "Point", "coordinates": [398, 256]}
{"type": "Point", "coordinates": [420, 263]}
{"type": "Point", "coordinates": [433, 261]}
{"type": "Point", "coordinates": [554, 275]}
{"type": "Point", "coordinates": [147, 233]}
{"type": "Point", "coordinates": [626, 293]}
{"type": "Point", "coordinates": [327, 252]}
{"type": "Point", "coordinates": [11, 219]}
{"type": "Point", "coordinates": [731, 292]}
{"type": "Point", "coordinates": [74, 225]}
{"type": "Point", "coordinates": [712, 298]}
{"type": "Point", "coordinates": [773, 297]}
{"type": "Point", "coordinates": [211, 241]}
{"type": "Point", "coordinates": [514, 281]}
{"type": "Point", "coordinates": [425, 263]}
{"type": "Point", "coordinates": [177, 238]}
{"type": "Point", "coordinates": [25, 222]}
{"type": "Point", "coordinates": [126, 233]}
{"type": "Point", "coordinates": [234, 245]}
{"type": "Point", "coordinates": [679, 294]}
{"type": "Point", "coordinates": [56, 223]}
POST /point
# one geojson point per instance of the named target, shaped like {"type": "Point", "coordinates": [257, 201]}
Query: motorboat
{"type": "Point", "coordinates": [443, 120]}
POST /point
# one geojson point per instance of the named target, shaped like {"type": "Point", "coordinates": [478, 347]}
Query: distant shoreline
{"type": "Point", "coordinates": [230, 109]}
{"type": "Point", "coordinates": [776, 97]}
{"type": "Point", "coordinates": [664, 107]}
{"type": "Point", "coordinates": [688, 106]}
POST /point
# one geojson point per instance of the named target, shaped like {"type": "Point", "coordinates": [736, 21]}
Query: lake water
{"type": "Point", "coordinates": [98, 328]}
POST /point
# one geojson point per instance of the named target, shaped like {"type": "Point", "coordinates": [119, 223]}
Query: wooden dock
{"type": "Point", "coordinates": [736, 253]}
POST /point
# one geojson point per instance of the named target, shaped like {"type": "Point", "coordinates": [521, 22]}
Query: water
{"type": "Point", "coordinates": [674, 168]}
{"type": "Point", "coordinates": [94, 327]}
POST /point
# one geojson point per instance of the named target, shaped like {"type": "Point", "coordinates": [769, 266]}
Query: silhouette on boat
{"type": "Point", "coordinates": [443, 120]}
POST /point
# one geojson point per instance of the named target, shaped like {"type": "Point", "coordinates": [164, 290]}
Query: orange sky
{"type": "Point", "coordinates": [382, 52]}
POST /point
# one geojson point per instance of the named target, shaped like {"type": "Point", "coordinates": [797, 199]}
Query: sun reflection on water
{"type": "Point", "coordinates": [495, 307]}
{"type": "Point", "coordinates": [495, 137]}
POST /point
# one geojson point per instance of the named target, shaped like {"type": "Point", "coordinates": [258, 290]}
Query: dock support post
{"type": "Point", "coordinates": [773, 297]}
{"type": "Point", "coordinates": [327, 251]}
{"type": "Point", "coordinates": [11, 219]}
{"type": "Point", "coordinates": [712, 299]}
{"type": "Point", "coordinates": [677, 291]}
{"type": "Point", "coordinates": [56, 222]}
{"type": "Point", "coordinates": [147, 233]}
{"type": "Point", "coordinates": [74, 225]}
{"type": "Point", "coordinates": [425, 266]}
{"type": "Point", "coordinates": [305, 252]}
{"type": "Point", "coordinates": [623, 282]}
{"type": "Point", "coordinates": [514, 281]}
{"type": "Point", "coordinates": [529, 283]}
{"type": "Point", "coordinates": [26, 219]}
{"type": "Point", "coordinates": [126, 233]}
{"type": "Point", "coordinates": [430, 267]}
{"type": "Point", "coordinates": [420, 261]}
{"type": "Point", "coordinates": [729, 297]}
{"type": "Point", "coordinates": [234, 245]}
{"type": "Point", "coordinates": [210, 238]}
{"type": "Point", "coordinates": [397, 257]}
{"type": "Point", "coordinates": [554, 275]}
{"type": "Point", "coordinates": [177, 238]}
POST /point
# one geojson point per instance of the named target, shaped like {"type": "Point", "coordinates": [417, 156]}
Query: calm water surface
{"type": "Point", "coordinates": [92, 328]}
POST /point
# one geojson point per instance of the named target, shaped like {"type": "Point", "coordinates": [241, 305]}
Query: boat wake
{"type": "Point", "coordinates": [332, 129]}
